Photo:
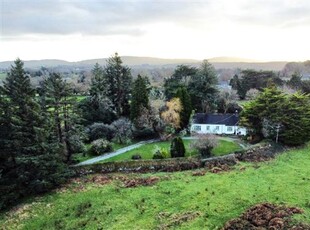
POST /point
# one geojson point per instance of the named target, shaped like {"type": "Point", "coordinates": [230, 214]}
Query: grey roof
{"type": "Point", "coordinates": [229, 119]}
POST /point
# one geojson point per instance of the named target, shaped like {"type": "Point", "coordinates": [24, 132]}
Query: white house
{"type": "Point", "coordinates": [217, 124]}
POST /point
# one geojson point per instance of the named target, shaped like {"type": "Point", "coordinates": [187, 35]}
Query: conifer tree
{"type": "Point", "coordinates": [177, 148]}
{"type": "Point", "coordinates": [33, 164]}
{"type": "Point", "coordinates": [186, 104]}
{"type": "Point", "coordinates": [118, 79]}
{"type": "Point", "coordinates": [140, 97]}
{"type": "Point", "coordinates": [202, 88]}
{"type": "Point", "coordinates": [61, 106]}
{"type": "Point", "coordinates": [98, 87]}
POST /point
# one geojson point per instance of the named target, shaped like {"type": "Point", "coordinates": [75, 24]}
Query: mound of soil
{"type": "Point", "coordinates": [130, 183]}
{"type": "Point", "coordinates": [266, 216]}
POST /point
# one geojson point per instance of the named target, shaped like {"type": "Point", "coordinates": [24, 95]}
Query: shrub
{"type": "Point", "coordinates": [123, 130]}
{"type": "Point", "coordinates": [204, 144]}
{"type": "Point", "coordinates": [160, 153]}
{"type": "Point", "coordinates": [177, 148]}
{"type": "Point", "coordinates": [144, 133]}
{"type": "Point", "coordinates": [100, 130]}
{"type": "Point", "coordinates": [136, 157]}
{"type": "Point", "coordinates": [100, 146]}
{"type": "Point", "coordinates": [77, 144]}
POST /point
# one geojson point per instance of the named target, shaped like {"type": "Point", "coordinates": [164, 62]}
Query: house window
{"type": "Point", "coordinates": [208, 128]}
{"type": "Point", "coordinates": [229, 129]}
{"type": "Point", "coordinates": [217, 128]}
{"type": "Point", "coordinates": [197, 128]}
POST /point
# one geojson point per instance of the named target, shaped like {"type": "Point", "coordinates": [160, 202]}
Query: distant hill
{"type": "Point", "coordinates": [231, 59]}
{"type": "Point", "coordinates": [150, 62]}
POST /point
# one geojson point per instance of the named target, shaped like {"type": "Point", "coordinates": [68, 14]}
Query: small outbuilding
{"type": "Point", "coordinates": [228, 123]}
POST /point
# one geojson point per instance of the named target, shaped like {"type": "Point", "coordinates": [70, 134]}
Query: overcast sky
{"type": "Point", "coordinates": [83, 29]}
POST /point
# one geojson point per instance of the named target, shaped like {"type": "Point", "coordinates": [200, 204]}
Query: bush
{"type": "Point", "coordinates": [100, 130]}
{"type": "Point", "coordinates": [123, 130]}
{"type": "Point", "coordinates": [136, 157]}
{"type": "Point", "coordinates": [160, 153]}
{"type": "Point", "coordinates": [204, 144]}
{"type": "Point", "coordinates": [100, 146]}
{"type": "Point", "coordinates": [144, 134]}
{"type": "Point", "coordinates": [177, 148]}
{"type": "Point", "coordinates": [77, 144]}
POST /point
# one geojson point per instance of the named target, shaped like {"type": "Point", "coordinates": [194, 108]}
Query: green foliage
{"type": "Point", "coordinates": [177, 148]}
{"type": "Point", "coordinates": [160, 153]}
{"type": "Point", "coordinates": [118, 85]}
{"type": "Point", "coordinates": [123, 130]}
{"type": "Point", "coordinates": [100, 130]}
{"type": "Point", "coordinates": [295, 82]}
{"type": "Point", "coordinates": [99, 147]}
{"type": "Point", "coordinates": [180, 78]}
{"type": "Point", "coordinates": [60, 106]}
{"type": "Point", "coordinates": [98, 83]}
{"type": "Point", "coordinates": [202, 88]}
{"type": "Point", "coordinates": [252, 79]}
{"type": "Point", "coordinates": [30, 161]}
{"type": "Point", "coordinates": [273, 110]}
{"type": "Point", "coordinates": [139, 97]}
{"type": "Point", "coordinates": [186, 104]}
{"type": "Point", "coordinates": [97, 109]}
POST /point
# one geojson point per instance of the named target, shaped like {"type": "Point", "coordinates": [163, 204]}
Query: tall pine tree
{"type": "Point", "coordinates": [186, 104]}
{"type": "Point", "coordinates": [118, 79]}
{"type": "Point", "coordinates": [61, 106]}
{"type": "Point", "coordinates": [140, 97]}
{"type": "Point", "coordinates": [33, 164]}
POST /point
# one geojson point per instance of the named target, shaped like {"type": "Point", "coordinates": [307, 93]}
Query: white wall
{"type": "Point", "coordinates": [217, 129]}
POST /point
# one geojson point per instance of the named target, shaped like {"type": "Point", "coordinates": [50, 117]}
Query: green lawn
{"type": "Point", "coordinates": [146, 151]}
{"type": "Point", "coordinates": [212, 199]}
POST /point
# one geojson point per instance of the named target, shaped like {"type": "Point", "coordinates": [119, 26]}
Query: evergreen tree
{"type": "Point", "coordinates": [98, 83]}
{"type": "Point", "coordinates": [177, 148]}
{"type": "Point", "coordinates": [180, 78]}
{"type": "Point", "coordinates": [26, 121]}
{"type": "Point", "coordinates": [33, 164]}
{"type": "Point", "coordinates": [278, 116]}
{"type": "Point", "coordinates": [118, 80]}
{"type": "Point", "coordinates": [61, 106]}
{"type": "Point", "coordinates": [295, 82]}
{"type": "Point", "coordinates": [186, 106]}
{"type": "Point", "coordinates": [202, 88]}
{"type": "Point", "coordinates": [140, 97]}
{"type": "Point", "coordinates": [98, 107]}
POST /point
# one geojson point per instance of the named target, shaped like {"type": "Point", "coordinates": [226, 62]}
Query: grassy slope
{"type": "Point", "coordinates": [147, 151]}
{"type": "Point", "coordinates": [217, 197]}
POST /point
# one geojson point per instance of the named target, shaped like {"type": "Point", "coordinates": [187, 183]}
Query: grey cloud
{"type": "Point", "coordinates": [90, 17]}
{"type": "Point", "coordinates": [273, 13]}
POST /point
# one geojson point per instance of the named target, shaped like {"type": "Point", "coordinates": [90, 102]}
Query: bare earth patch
{"type": "Point", "coordinates": [134, 182]}
{"type": "Point", "coordinates": [267, 216]}
{"type": "Point", "coordinates": [168, 220]}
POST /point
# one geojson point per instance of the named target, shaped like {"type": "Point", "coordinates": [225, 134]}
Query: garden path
{"type": "Point", "coordinates": [115, 153]}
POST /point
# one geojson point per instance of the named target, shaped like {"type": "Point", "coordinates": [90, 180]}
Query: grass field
{"type": "Point", "coordinates": [147, 151]}
{"type": "Point", "coordinates": [211, 199]}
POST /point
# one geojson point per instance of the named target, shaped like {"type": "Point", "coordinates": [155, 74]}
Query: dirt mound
{"type": "Point", "coordinates": [134, 182]}
{"type": "Point", "coordinates": [169, 220]}
{"type": "Point", "coordinates": [266, 216]}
